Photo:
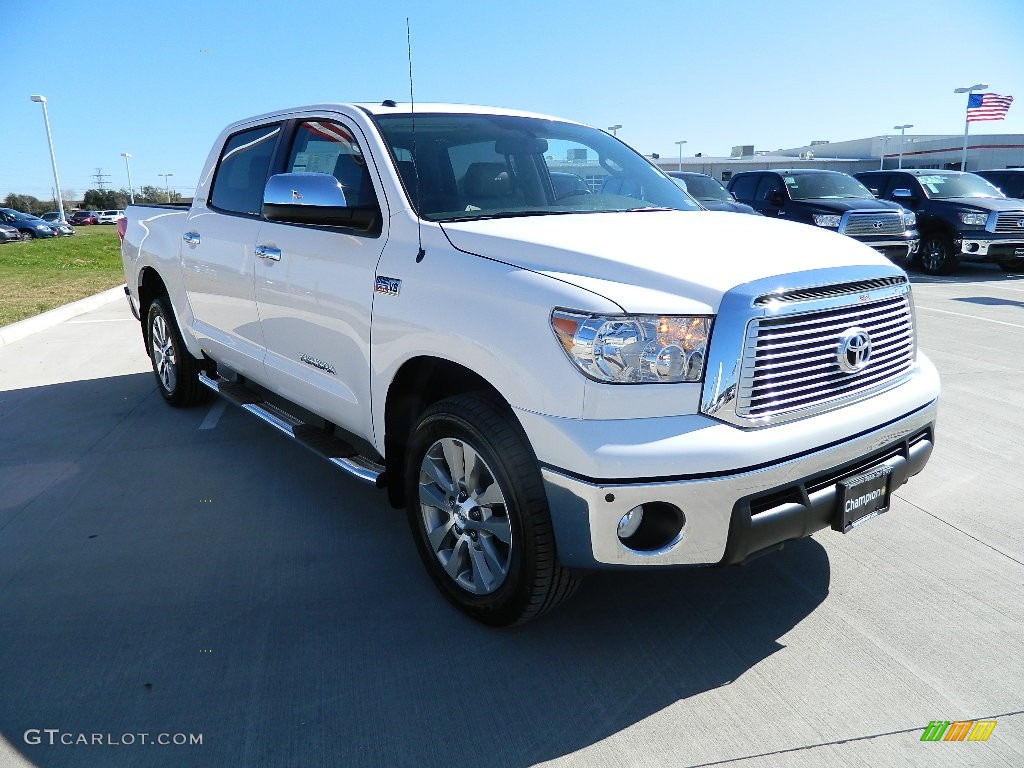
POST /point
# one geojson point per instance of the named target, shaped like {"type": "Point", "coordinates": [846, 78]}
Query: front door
{"type": "Point", "coordinates": [314, 287]}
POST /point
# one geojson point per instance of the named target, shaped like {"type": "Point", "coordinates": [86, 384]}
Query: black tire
{"type": "Point", "coordinates": [25, 236]}
{"type": "Point", "coordinates": [176, 371]}
{"type": "Point", "coordinates": [937, 256]}
{"type": "Point", "coordinates": [1012, 265]}
{"type": "Point", "coordinates": [461, 537]}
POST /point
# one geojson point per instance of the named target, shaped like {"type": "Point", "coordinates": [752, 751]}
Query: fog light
{"type": "Point", "coordinates": [651, 527]}
{"type": "Point", "coordinates": [630, 522]}
{"type": "Point", "coordinates": [972, 247]}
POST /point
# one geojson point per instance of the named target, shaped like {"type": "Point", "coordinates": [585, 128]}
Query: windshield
{"type": "Point", "coordinates": [497, 166]}
{"type": "Point", "coordinates": [940, 185]}
{"type": "Point", "coordinates": [705, 188]}
{"type": "Point", "coordinates": [827, 185]}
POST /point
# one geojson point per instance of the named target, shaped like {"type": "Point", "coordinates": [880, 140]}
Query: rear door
{"type": "Point", "coordinates": [315, 284]}
{"type": "Point", "coordinates": [218, 259]}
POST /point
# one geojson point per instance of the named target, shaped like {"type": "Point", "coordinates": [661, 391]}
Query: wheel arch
{"type": "Point", "coordinates": [419, 383]}
{"type": "Point", "coordinates": [151, 285]}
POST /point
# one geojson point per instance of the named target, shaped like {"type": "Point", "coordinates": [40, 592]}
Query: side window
{"type": "Point", "coordinates": [323, 146]}
{"type": "Point", "coordinates": [242, 170]}
{"type": "Point", "coordinates": [769, 183]}
{"type": "Point", "coordinates": [901, 181]}
{"type": "Point", "coordinates": [875, 184]}
{"type": "Point", "coordinates": [743, 186]}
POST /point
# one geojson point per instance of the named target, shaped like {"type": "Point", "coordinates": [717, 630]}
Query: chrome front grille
{"type": "Point", "coordinates": [791, 362]}
{"type": "Point", "coordinates": [1010, 223]}
{"type": "Point", "coordinates": [873, 223]}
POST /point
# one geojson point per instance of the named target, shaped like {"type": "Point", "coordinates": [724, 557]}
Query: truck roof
{"type": "Point", "coordinates": [389, 107]}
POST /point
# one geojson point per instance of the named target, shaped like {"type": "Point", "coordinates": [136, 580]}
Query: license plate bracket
{"type": "Point", "coordinates": [862, 497]}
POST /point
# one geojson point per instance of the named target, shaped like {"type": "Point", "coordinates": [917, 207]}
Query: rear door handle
{"type": "Point", "coordinates": [266, 252]}
{"type": "Point", "coordinates": [192, 238]}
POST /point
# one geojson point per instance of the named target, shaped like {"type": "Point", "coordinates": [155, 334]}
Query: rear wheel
{"type": "Point", "coordinates": [937, 257]}
{"type": "Point", "coordinates": [176, 371]}
{"type": "Point", "coordinates": [479, 515]}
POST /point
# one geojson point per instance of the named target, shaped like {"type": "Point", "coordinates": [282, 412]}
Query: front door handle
{"type": "Point", "coordinates": [192, 238]}
{"type": "Point", "coordinates": [267, 252]}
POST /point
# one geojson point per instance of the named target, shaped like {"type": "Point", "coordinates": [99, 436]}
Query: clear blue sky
{"type": "Point", "coordinates": [160, 80]}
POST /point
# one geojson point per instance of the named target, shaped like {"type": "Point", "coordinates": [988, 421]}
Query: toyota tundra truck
{"type": "Point", "coordinates": [547, 382]}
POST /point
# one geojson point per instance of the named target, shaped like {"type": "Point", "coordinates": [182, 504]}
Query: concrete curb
{"type": "Point", "coordinates": [19, 330]}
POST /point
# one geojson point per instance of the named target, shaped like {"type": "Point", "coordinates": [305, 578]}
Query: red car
{"type": "Point", "coordinates": [82, 218]}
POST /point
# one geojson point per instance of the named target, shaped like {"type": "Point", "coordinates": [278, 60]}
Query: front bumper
{"type": "Point", "coordinates": [987, 249]}
{"type": "Point", "coordinates": [730, 516]}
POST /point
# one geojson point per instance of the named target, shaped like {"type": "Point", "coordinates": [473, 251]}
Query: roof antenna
{"type": "Point", "coordinates": [415, 169]}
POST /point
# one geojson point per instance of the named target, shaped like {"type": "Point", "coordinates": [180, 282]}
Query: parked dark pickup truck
{"type": "Point", "coordinates": [962, 217]}
{"type": "Point", "coordinates": [832, 200]}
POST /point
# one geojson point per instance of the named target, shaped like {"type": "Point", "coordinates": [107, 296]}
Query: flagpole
{"type": "Point", "coordinates": [967, 121]}
{"type": "Point", "coordinates": [963, 156]}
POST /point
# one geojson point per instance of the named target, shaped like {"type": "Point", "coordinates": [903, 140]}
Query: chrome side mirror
{"type": "Point", "coordinates": [313, 198]}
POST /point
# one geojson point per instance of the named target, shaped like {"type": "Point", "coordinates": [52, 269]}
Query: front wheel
{"type": "Point", "coordinates": [937, 257]}
{"type": "Point", "coordinates": [1012, 265]}
{"type": "Point", "coordinates": [176, 371]}
{"type": "Point", "coordinates": [479, 515]}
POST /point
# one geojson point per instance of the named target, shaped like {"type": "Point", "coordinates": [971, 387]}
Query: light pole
{"type": "Point", "coordinates": [614, 129]}
{"type": "Point", "coordinates": [968, 90]}
{"type": "Point", "coordinates": [680, 143]}
{"type": "Point", "coordinates": [131, 193]}
{"type": "Point", "coordinates": [903, 132]}
{"type": "Point", "coordinates": [53, 159]}
{"type": "Point", "coordinates": [167, 188]}
{"type": "Point", "coordinates": [881, 162]}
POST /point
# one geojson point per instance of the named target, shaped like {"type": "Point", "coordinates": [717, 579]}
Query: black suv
{"type": "Point", "coordinates": [832, 200]}
{"type": "Point", "coordinates": [962, 217]}
{"type": "Point", "coordinates": [1009, 180]}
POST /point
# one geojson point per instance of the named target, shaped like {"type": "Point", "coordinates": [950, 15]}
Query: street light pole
{"type": "Point", "coordinates": [967, 124]}
{"type": "Point", "coordinates": [53, 159]}
{"type": "Point", "coordinates": [903, 132]}
{"type": "Point", "coordinates": [614, 129]}
{"type": "Point", "coordinates": [680, 143]}
{"type": "Point", "coordinates": [167, 188]}
{"type": "Point", "coordinates": [131, 193]}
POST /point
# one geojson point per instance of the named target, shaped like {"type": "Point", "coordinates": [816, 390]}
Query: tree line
{"type": "Point", "coordinates": [92, 200]}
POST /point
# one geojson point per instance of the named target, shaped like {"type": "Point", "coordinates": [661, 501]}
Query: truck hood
{"type": "Point", "coordinates": [983, 203]}
{"type": "Point", "coordinates": [661, 262]}
{"type": "Point", "coordinates": [842, 205]}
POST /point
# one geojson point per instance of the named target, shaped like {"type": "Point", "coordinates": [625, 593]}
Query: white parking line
{"type": "Point", "coordinates": [972, 317]}
{"type": "Point", "coordinates": [214, 414]}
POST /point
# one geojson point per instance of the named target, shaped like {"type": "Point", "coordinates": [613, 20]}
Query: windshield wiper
{"type": "Point", "coordinates": [506, 215]}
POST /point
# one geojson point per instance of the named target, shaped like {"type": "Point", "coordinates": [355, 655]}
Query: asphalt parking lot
{"type": "Point", "coordinates": [192, 573]}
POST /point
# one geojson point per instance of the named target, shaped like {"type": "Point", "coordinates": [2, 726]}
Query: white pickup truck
{"type": "Point", "coordinates": [545, 351]}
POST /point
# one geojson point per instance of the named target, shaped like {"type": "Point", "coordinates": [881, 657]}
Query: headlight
{"type": "Point", "coordinates": [827, 219]}
{"type": "Point", "coordinates": [635, 349]}
{"type": "Point", "coordinates": [909, 219]}
{"type": "Point", "coordinates": [974, 219]}
{"type": "Point", "coordinates": [42, 227]}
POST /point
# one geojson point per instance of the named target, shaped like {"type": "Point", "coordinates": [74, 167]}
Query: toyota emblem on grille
{"type": "Point", "coordinates": [877, 224]}
{"type": "Point", "coordinates": [854, 350]}
{"type": "Point", "coordinates": [1020, 223]}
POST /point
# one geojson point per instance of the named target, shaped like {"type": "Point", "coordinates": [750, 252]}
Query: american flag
{"type": "Point", "coordinates": [987, 106]}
